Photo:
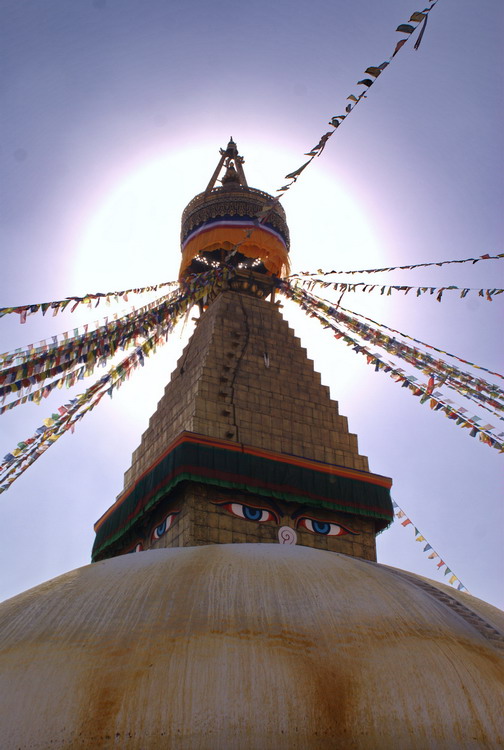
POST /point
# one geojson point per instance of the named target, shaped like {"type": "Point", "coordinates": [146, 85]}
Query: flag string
{"type": "Point", "coordinates": [387, 289]}
{"type": "Point", "coordinates": [92, 349]}
{"type": "Point", "coordinates": [28, 451]}
{"type": "Point", "coordinates": [418, 341]}
{"type": "Point", "coordinates": [61, 343]}
{"type": "Point", "coordinates": [320, 272]}
{"type": "Point", "coordinates": [419, 537]}
{"type": "Point", "coordinates": [60, 305]}
{"type": "Point", "coordinates": [417, 18]}
{"type": "Point", "coordinates": [436, 403]}
{"type": "Point", "coordinates": [424, 361]}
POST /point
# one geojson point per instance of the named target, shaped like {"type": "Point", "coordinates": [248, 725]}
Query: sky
{"type": "Point", "coordinates": [112, 113]}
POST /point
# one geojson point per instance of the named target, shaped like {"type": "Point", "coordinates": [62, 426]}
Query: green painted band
{"type": "Point", "coordinates": [190, 461]}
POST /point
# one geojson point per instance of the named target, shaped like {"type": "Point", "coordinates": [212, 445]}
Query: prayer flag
{"type": "Point", "coordinates": [375, 72]}
{"type": "Point", "coordinates": [397, 48]}
{"type": "Point", "coordinates": [405, 28]}
{"type": "Point", "coordinates": [297, 172]}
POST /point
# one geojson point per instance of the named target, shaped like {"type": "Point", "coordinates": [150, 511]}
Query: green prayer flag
{"type": "Point", "coordinates": [405, 28]}
{"type": "Point", "coordinates": [296, 172]}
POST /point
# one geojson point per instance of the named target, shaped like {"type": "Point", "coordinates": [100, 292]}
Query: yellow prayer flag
{"type": "Point", "coordinates": [420, 539]}
{"type": "Point", "coordinates": [453, 579]}
{"type": "Point", "coordinates": [48, 422]}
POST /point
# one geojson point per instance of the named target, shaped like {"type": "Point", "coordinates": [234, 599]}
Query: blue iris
{"type": "Point", "coordinates": [253, 514]}
{"type": "Point", "coordinates": [160, 530]}
{"type": "Point", "coordinates": [321, 527]}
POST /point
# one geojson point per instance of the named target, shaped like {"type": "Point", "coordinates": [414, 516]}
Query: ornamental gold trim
{"type": "Point", "coordinates": [238, 202]}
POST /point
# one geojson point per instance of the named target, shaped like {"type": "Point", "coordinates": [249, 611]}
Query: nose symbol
{"type": "Point", "coordinates": [286, 535]}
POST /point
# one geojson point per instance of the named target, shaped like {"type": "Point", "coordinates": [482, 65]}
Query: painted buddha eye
{"type": "Point", "coordinates": [137, 548]}
{"type": "Point", "coordinates": [163, 527]}
{"type": "Point", "coordinates": [326, 528]}
{"type": "Point", "coordinates": [249, 512]}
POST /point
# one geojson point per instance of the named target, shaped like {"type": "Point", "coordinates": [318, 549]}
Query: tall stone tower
{"type": "Point", "coordinates": [199, 643]}
{"type": "Point", "coordinates": [246, 444]}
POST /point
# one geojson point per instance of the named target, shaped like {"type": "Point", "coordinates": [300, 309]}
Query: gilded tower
{"type": "Point", "coordinates": [246, 444]}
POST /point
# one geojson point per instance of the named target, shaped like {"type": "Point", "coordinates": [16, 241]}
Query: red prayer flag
{"type": "Point", "coordinates": [398, 46]}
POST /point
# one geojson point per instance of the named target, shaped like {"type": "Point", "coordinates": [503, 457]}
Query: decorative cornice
{"type": "Point", "coordinates": [199, 458]}
{"type": "Point", "coordinates": [237, 201]}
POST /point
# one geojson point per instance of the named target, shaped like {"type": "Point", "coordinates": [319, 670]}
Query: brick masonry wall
{"type": "Point", "coordinates": [203, 519]}
{"type": "Point", "coordinates": [244, 376]}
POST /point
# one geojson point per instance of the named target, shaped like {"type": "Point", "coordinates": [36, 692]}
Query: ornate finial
{"type": "Point", "coordinates": [232, 149]}
{"type": "Point", "coordinates": [231, 176]}
{"type": "Point", "coordinates": [220, 227]}
{"type": "Point", "coordinates": [233, 164]}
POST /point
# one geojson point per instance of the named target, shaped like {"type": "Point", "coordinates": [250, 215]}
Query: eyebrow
{"type": "Point", "coordinates": [300, 511]}
{"type": "Point", "coordinates": [275, 508]}
{"type": "Point", "coordinates": [253, 504]}
{"type": "Point", "coordinates": [305, 509]}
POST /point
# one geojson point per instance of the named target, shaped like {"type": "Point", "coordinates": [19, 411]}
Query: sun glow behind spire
{"type": "Point", "coordinates": [132, 237]}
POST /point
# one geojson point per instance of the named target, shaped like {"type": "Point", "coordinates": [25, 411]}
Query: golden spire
{"type": "Point", "coordinates": [233, 163]}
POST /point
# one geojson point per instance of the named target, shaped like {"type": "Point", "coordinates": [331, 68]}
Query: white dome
{"type": "Point", "coordinates": [248, 646]}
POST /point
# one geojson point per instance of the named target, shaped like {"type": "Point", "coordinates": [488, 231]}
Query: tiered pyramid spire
{"type": "Point", "coordinates": [246, 443]}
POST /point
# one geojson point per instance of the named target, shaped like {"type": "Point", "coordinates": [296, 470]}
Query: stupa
{"type": "Point", "coordinates": [254, 614]}
{"type": "Point", "coordinates": [246, 444]}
